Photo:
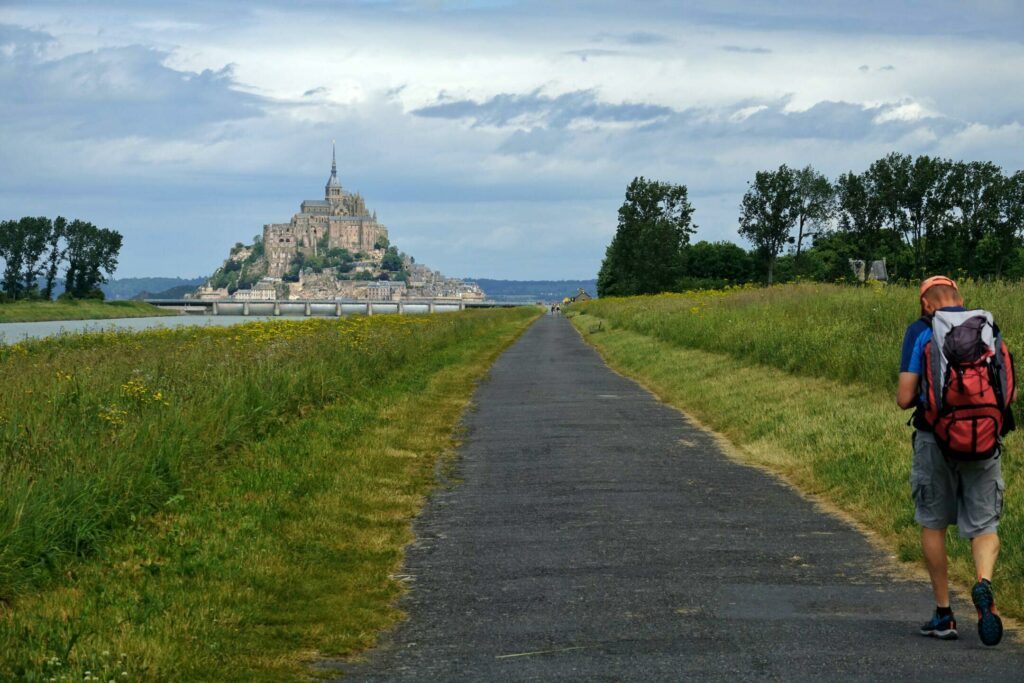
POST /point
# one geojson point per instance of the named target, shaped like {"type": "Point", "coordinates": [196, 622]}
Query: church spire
{"type": "Point", "coordinates": [333, 189]}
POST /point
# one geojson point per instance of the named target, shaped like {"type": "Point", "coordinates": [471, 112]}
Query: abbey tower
{"type": "Point", "coordinates": [341, 216]}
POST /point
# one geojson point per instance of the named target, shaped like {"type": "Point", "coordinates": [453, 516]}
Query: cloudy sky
{"type": "Point", "coordinates": [495, 138]}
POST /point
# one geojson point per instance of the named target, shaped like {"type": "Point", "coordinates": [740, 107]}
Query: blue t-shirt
{"type": "Point", "coordinates": [918, 334]}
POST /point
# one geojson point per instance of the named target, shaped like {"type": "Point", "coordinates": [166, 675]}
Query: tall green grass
{"type": "Point", "coordinates": [849, 334]}
{"type": "Point", "coordinates": [98, 429]}
{"type": "Point", "coordinates": [221, 504]}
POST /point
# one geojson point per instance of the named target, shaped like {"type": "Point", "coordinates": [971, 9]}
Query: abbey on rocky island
{"type": "Point", "coordinates": [341, 216]}
{"type": "Point", "coordinates": [333, 248]}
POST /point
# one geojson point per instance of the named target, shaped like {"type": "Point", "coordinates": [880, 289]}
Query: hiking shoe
{"type": "Point", "coordinates": [943, 628]}
{"type": "Point", "coordinates": [990, 626]}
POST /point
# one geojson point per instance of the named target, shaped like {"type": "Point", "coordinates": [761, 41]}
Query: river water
{"type": "Point", "coordinates": [15, 332]}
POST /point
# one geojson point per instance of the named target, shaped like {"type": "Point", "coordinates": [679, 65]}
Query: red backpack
{"type": "Point", "coordinates": [968, 384]}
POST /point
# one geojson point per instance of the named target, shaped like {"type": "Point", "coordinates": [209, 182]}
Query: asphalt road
{"type": "Point", "coordinates": [596, 535]}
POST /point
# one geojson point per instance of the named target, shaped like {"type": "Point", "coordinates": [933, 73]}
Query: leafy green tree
{"type": "Point", "coordinates": [11, 253]}
{"type": "Point", "coordinates": [315, 263]}
{"type": "Point", "coordinates": [769, 212]}
{"type": "Point", "coordinates": [295, 267]}
{"type": "Point", "coordinates": [1013, 211]}
{"type": "Point", "coordinates": [976, 240]}
{"type": "Point", "coordinates": [57, 235]}
{"type": "Point", "coordinates": [646, 255]}
{"type": "Point", "coordinates": [257, 248]}
{"type": "Point", "coordinates": [91, 257]}
{"type": "Point", "coordinates": [22, 245]}
{"type": "Point", "coordinates": [863, 233]}
{"type": "Point", "coordinates": [718, 261]}
{"type": "Point", "coordinates": [914, 200]}
{"type": "Point", "coordinates": [814, 203]}
{"type": "Point", "coordinates": [859, 215]}
{"type": "Point", "coordinates": [391, 261]}
{"type": "Point", "coordinates": [339, 255]}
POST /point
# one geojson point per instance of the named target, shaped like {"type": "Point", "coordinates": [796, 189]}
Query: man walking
{"type": "Point", "coordinates": [953, 478]}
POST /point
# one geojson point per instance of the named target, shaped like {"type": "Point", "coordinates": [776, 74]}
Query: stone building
{"type": "Point", "coordinates": [385, 290]}
{"type": "Point", "coordinates": [341, 216]}
{"type": "Point", "coordinates": [264, 290]}
{"type": "Point", "coordinates": [581, 295]}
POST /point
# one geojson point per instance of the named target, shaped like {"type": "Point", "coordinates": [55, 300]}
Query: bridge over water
{"type": "Point", "coordinates": [323, 307]}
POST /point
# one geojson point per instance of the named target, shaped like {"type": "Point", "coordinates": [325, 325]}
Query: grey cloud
{"type": "Point", "coordinates": [769, 123]}
{"type": "Point", "coordinates": [584, 55]}
{"type": "Point", "coordinates": [533, 141]}
{"type": "Point", "coordinates": [863, 68]}
{"type": "Point", "coordinates": [541, 123]}
{"type": "Point", "coordinates": [113, 92]}
{"type": "Point", "coordinates": [747, 50]}
{"type": "Point", "coordinates": [887, 67]}
{"type": "Point", "coordinates": [22, 43]}
{"type": "Point", "coordinates": [829, 120]}
{"type": "Point", "coordinates": [541, 110]}
{"type": "Point", "coordinates": [315, 91]}
{"type": "Point", "coordinates": [635, 38]}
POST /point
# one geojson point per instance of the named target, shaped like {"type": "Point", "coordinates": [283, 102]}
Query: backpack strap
{"type": "Point", "coordinates": [937, 375]}
{"type": "Point", "coordinates": [999, 368]}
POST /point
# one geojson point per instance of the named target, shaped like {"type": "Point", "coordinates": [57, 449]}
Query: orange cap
{"type": "Point", "coordinates": [937, 280]}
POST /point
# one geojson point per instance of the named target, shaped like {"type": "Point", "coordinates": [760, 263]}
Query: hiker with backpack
{"type": "Point", "coordinates": [957, 374]}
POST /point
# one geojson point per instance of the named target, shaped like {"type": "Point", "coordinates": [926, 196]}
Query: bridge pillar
{"type": "Point", "coordinates": [401, 308]}
{"type": "Point", "coordinates": [245, 308]}
{"type": "Point", "coordinates": [309, 309]}
{"type": "Point", "coordinates": [430, 307]}
{"type": "Point", "coordinates": [462, 304]}
{"type": "Point", "coordinates": [337, 308]}
{"type": "Point", "coordinates": [277, 307]}
{"type": "Point", "coordinates": [216, 308]}
{"type": "Point", "coordinates": [369, 308]}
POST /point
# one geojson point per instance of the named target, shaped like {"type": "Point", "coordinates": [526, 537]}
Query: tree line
{"type": "Point", "coordinates": [34, 249]}
{"type": "Point", "coordinates": [920, 214]}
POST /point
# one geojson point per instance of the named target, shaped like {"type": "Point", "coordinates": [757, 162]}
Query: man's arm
{"type": "Point", "coordinates": [906, 392]}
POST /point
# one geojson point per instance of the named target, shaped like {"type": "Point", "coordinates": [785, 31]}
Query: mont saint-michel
{"type": "Point", "coordinates": [333, 248]}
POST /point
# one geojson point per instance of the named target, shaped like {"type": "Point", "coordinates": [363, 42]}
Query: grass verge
{"type": "Point", "coordinates": [847, 334]}
{"type": "Point", "coordinates": [38, 311]}
{"type": "Point", "coordinates": [255, 555]}
{"type": "Point", "coordinates": [845, 443]}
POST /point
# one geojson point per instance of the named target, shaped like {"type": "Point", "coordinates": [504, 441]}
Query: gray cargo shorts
{"type": "Point", "coordinates": [968, 494]}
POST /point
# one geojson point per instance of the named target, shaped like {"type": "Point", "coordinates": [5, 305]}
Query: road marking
{"type": "Point", "coordinates": [541, 652]}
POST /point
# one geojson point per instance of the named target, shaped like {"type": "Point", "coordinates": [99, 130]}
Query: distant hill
{"type": "Point", "coordinates": [533, 290]}
{"type": "Point", "coordinates": [131, 287]}
{"type": "Point", "coordinates": [177, 292]}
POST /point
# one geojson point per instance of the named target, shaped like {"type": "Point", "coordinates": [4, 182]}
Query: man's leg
{"type": "Point", "coordinates": [934, 486]}
{"type": "Point", "coordinates": [985, 549]}
{"type": "Point", "coordinates": [981, 505]}
{"type": "Point", "coordinates": [933, 543]}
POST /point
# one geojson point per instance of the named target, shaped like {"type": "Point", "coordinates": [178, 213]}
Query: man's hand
{"type": "Point", "coordinates": [906, 392]}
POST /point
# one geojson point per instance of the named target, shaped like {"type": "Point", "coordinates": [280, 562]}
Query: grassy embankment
{"type": "Point", "coordinates": [802, 380]}
{"type": "Point", "coordinates": [85, 309]}
{"type": "Point", "coordinates": [221, 503]}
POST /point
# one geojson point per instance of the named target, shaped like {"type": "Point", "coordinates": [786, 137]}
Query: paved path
{"type": "Point", "coordinates": [598, 536]}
